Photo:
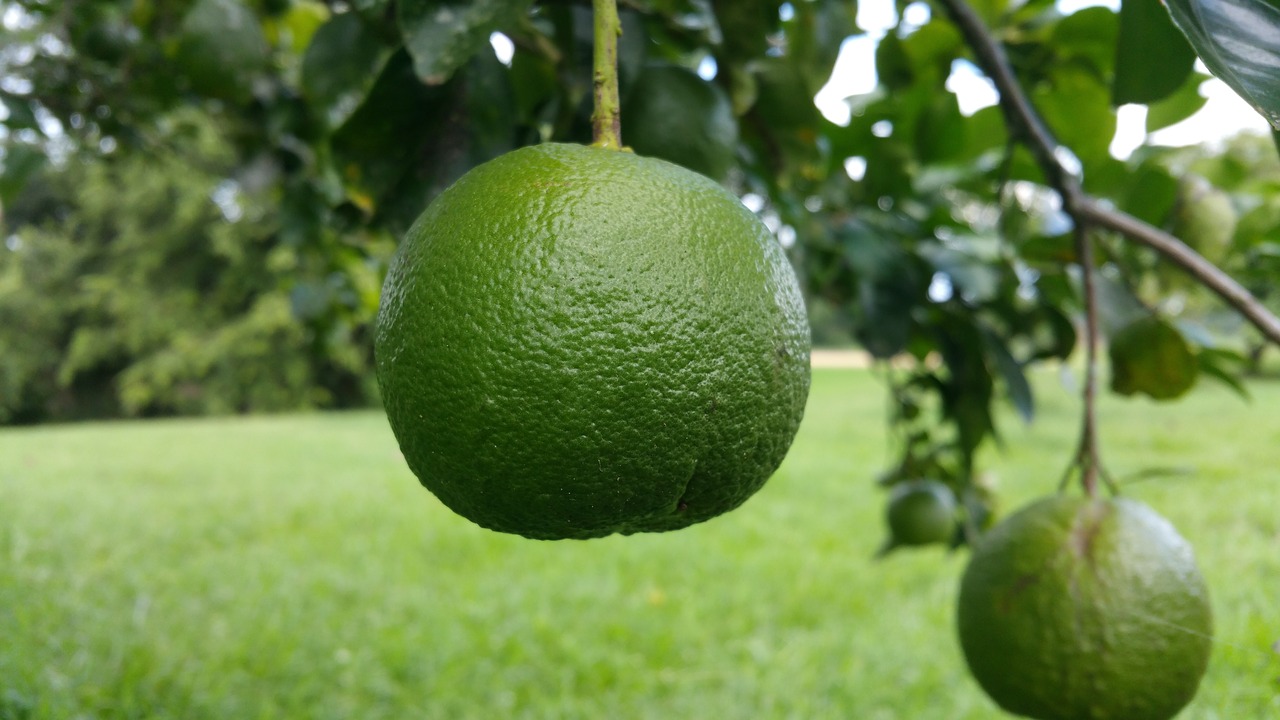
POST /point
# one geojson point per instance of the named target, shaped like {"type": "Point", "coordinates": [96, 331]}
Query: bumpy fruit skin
{"type": "Point", "coordinates": [575, 342]}
{"type": "Point", "coordinates": [1078, 609]}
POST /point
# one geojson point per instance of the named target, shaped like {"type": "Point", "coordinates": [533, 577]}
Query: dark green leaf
{"type": "Point", "coordinates": [940, 129]}
{"type": "Point", "coordinates": [1239, 40]}
{"type": "Point", "coordinates": [1151, 194]}
{"type": "Point", "coordinates": [892, 63]}
{"type": "Point", "coordinates": [20, 115]}
{"type": "Point", "coordinates": [221, 49]}
{"type": "Point", "coordinates": [1077, 107]}
{"type": "Point", "coordinates": [1089, 35]}
{"type": "Point", "coordinates": [19, 164]}
{"type": "Point", "coordinates": [747, 25]}
{"type": "Point", "coordinates": [1224, 366]}
{"type": "Point", "coordinates": [1054, 250]}
{"type": "Point", "coordinates": [816, 32]}
{"type": "Point", "coordinates": [1178, 105]}
{"type": "Point", "coordinates": [341, 64]}
{"type": "Point", "coordinates": [1150, 356]}
{"type": "Point", "coordinates": [785, 96]}
{"type": "Point", "coordinates": [1015, 380]}
{"type": "Point", "coordinates": [442, 35]}
{"type": "Point", "coordinates": [887, 288]}
{"type": "Point", "coordinates": [376, 147]}
{"type": "Point", "coordinates": [1152, 57]}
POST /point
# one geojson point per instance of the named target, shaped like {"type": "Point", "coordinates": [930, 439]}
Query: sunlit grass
{"type": "Point", "coordinates": [291, 567]}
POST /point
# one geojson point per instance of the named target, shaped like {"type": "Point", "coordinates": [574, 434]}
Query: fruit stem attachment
{"type": "Point", "coordinates": [1087, 456]}
{"type": "Point", "coordinates": [606, 122]}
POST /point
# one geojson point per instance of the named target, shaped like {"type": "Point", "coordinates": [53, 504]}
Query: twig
{"type": "Point", "coordinates": [1089, 452]}
{"type": "Point", "coordinates": [1025, 124]}
{"type": "Point", "coordinates": [1180, 254]}
{"type": "Point", "coordinates": [606, 121]}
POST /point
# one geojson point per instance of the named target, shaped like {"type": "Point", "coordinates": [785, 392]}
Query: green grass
{"type": "Point", "coordinates": [291, 567]}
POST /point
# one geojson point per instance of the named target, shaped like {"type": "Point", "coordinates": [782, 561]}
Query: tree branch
{"type": "Point", "coordinates": [1026, 125]}
{"type": "Point", "coordinates": [1180, 254]}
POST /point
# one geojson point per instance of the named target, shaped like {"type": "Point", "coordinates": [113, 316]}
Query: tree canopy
{"type": "Point", "coordinates": [247, 165]}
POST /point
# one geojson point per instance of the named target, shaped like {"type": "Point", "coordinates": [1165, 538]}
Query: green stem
{"type": "Point", "coordinates": [607, 121]}
{"type": "Point", "coordinates": [1090, 460]}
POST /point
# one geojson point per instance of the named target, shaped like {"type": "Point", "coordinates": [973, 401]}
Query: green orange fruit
{"type": "Point", "coordinates": [575, 342]}
{"type": "Point", "coordinates": [1080, 609]}
{"type": "Point", "coordinates": [920, 512]}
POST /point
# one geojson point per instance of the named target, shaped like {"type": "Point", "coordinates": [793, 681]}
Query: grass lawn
{"type": "Point", "coordinates": [291, 567]}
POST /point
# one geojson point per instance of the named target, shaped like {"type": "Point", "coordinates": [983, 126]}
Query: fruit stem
{"type": "Point", "coordinates": [606, 122]}
{"type": "Point", "coordinates": [1087, 456]}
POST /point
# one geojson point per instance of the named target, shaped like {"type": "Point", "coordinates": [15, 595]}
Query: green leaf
{"type": "Point", "coordinates": [1152, 57]}
{"type": "Point", "coordinates": [1118, 307]}
{"type": "Point", "coordinates": [940, 129]}
{"type": "Point", "coordinates": [747, 25]}
{"type": "Point", "coordinates": [976, 280]}
{"type": "Point", "coordinates": [1015, 380]}
{"type": "Point", "coordinates": [785, 96]}
{"type": "Point", "coordinates": [377, 144]}
{"type": "Point", "coordinates": [1239, 40]}
{"type": "Point", "coordinates": [1151, 193]}
{"type": "Point", "coordinates": [298, 25]}
{"type": "Point", "coordinates": [221, 49]}
{"type": "Point", "coordinates": [1089, 34]}
{"type": "Point", "coordinates": [19, 163]}
{"type": "Point", "coordinates": [888, 286]}
{"type": "Point", "coordinates": [1224, 366]}
{"type": "Point", "coordinates": [1078, 109]}
{"type": "Point", "coordinates": [1150, 356]}
{"type": "Point", "coordinates": [816, 32]}
{"type": "Point", "coordinates": [19, 113]}
{"type": "Point", "coordinates": [341, 64]}
{"type": "Point", "coordinates": [1178, 105]}
{"type": "Point", "coordinates": [442, 35]}
{"type": "Point", "coordinates": [892, 63]}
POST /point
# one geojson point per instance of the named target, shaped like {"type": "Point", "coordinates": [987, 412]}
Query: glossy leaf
{"type": "Point", "coordinates": [1178, 105]}
{"type": "Point", "coordinates": [1153, 59]}
{"type": "Point", "coordinates": [373, 149]}
{"type": "Point", "coordinates": [1239, 40]}
{"type": "Point", "coordinates": [341, 64]}
{"type": "Point", "coordinates": [442, 35]}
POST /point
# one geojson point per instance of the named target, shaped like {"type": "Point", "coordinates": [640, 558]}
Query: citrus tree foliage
{"type": "Point", "coordinates": [925, 231]}
{"type": "Point", "coordinates": [143, 285]}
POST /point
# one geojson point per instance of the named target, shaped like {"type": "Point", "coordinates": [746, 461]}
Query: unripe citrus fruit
{"type": "Point", "coordinates": [921, 512]}
{"type": "Point", "coordinates": [575, 342]}
{"type": "Point", "coordinates": [1079, 609]}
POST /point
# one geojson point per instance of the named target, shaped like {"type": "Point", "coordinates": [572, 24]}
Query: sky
{"type": "Point", "coordinates": [1223, 115]}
